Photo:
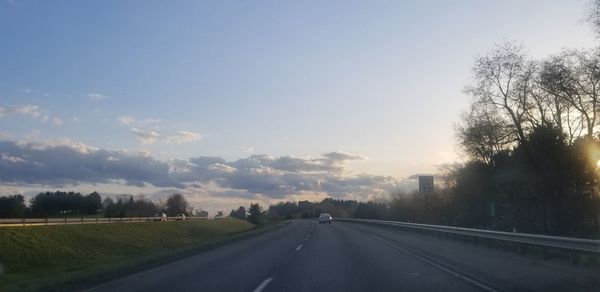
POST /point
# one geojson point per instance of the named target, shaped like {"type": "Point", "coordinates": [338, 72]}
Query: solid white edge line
{"type": "Point", "coordinates": [263, 285]}
{"type": "Point", "coordinates": [299, 247]}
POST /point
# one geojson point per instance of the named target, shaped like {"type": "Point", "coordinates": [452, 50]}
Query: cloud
{"type": "Point", "coordinates": [61, 162]}
{"type": "Point", "coordinates": [341, 156]}
{"type": "Point", "coordinates": [146, 137]}
{"type": "Point", "coordinates": [64, 162]}
{"type": "Point", "coordinates": [126, 120]}
{"type": "Point", "coordinates": [12, 159]}
{"type": "Point", "coordinates": [96, 96]}
{"type": "Point", "coordinates": [57, 121]}
{"type": "Point", "coordinates": [31, 111]}
{"type": "Point", "coordinates": [247, 149]}
{"type": "Point", "coordinates": [151, 136]}
{"type": "Point", "coordinates": [280, 177]}
{"type": "Point", "coordinates": [129, 120]}
{"type": "Point", "coordinates": [183, 137]}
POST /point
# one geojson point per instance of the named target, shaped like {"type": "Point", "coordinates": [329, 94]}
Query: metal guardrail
{"type": "Point", "coordinates": [85, 220]}
{"type": "Point", "coordinates": [558, 242]}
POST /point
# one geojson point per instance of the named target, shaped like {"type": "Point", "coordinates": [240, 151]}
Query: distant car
{"type": "Point", "coordinates": [160, 217]}
{"type": "Point", "coordinates": [180, 217]}
{"type": "Point", "coordinates": [325, 218]}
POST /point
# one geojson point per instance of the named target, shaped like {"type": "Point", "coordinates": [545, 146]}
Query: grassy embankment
{"type": "Point", "coordinates": [55, 257]}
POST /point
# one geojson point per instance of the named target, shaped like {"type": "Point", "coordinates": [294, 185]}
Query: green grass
{"type": "Point", "coordinates": [54, 257]}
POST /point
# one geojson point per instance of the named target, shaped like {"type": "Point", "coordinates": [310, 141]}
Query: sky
{"type": "Point", "coordinates": [230, 102]}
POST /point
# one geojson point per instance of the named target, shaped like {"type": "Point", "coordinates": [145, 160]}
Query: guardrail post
{"type": "Point", "coordinates": [23, 221]}
{"type": "Point", "coordinates": [46, 221]}
{"type": "Point", "coordinates": [65, 220]}
{"type": "Point", "coordinates": [82, 220]}
{"type": "Point", "coordinates": [108, 219]}
{"type": "Point", "coordinates": [96, 219]}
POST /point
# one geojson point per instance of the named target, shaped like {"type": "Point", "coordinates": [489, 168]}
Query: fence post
{"type": "Point", "coordinates": [65, 220]}
{"type": "Point", "coordinates": [23, 221]}
{"type": "Point", "coordinates": [46, 220]}
{"type": "Point", "coordinates": [96, 219]}
{"type": "Point", "coordinates": [82, 220]}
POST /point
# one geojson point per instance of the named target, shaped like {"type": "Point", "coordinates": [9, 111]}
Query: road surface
{"type": "Point", "coordinates": [307, 256]}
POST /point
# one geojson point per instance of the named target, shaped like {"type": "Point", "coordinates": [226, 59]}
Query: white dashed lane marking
{"type": "Point", "coordinates": [263, 285]}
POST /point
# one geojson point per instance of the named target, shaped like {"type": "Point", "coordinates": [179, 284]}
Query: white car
{"type": "Point", "coordinates": [325, 218]}
{"type": "Point", "coordinates": [180, 217]}
{"type": "Point", "coordinates": [160, 217]}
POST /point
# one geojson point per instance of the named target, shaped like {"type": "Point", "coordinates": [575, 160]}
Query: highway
{"type": "Point", "coordinates": [306, 256]}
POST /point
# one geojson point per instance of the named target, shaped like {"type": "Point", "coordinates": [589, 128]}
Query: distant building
{"type": "Point", "coordinates": [202, 214]}
{"type": "Point", "coordinates": [426, 184]}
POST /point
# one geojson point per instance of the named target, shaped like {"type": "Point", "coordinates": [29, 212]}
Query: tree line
{"type": "Point", "coordinates": [52, 204]}
{"type": "Point", "coordinates": [255, 213]}
{"type": "Point", "coordinates": [337, 208]}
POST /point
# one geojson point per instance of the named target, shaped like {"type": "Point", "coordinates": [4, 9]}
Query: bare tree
{"type": "Point", "coordinates": [572, 79]}
{"type": "Point", "coordinates": [502, 80]}
{"type": "Point", "coordinates": [594, 16]}
{"type": "Point", "coordinates": [483, 133]}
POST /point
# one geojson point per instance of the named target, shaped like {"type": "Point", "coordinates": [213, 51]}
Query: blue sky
{"type": "Point", "coordinates": [173, 80]}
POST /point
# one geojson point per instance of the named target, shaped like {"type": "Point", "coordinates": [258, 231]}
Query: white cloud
{"type": "Point", "coordinates": [57, 121]}
{"type": "Point", "coordinates": [126, 120]}
{"type": "Point", "coordinates": [12, 159]}
{"type": "Point", "coordinates": [146, 137]}
{"type": "Point", "coordinates": [57, 143]}
{"type": "Point", "coordinates": [129, 120]}
{"type": "Point", "coordinates": [247, 149]}
{"type": "Point", "coordinates": [96, 96]}
{"type": "Point", "coordinates": [151, 136]}
{"type": "Point", "coordinates": [149, 121]}
{"type": "Point", "coordinates": [219, 167]}
{"type": "Point", "coordinates": [30, 110]}
{"type": "Point", "coordinates": [183, 137]}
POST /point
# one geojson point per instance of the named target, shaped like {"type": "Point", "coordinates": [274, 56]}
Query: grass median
{"type": "Point", "coordinates": [60, 256]}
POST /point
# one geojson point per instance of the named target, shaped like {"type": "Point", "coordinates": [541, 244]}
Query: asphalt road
{"type": "Point", "coordinates": [306, 256]}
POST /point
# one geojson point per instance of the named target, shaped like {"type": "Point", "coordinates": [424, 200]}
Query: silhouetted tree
{"type": "Point", "coordinates": [240, 213]}
{"type": "Point", "coordinates": [176, 204]}
{"type": "Point", "coordinates": [58, 203]}
{"type": "Point", "coordinates": [12, 206]}
{"type": "Point", "coordinates": [255, 214]}
{"type": "Point", "coordinates": [93, 203]}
